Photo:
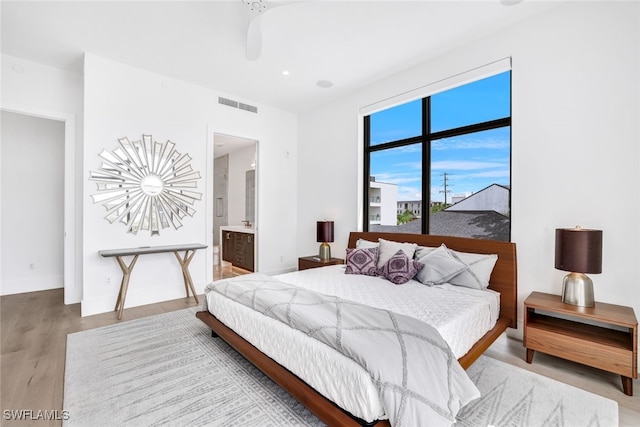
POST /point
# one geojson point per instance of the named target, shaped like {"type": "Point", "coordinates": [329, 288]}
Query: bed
{"type": "Point", "coordinates": [236, 329]}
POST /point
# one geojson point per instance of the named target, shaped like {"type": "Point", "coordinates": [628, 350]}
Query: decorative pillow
{"type": "Point", "coordinates": [400, 268]}
{"type": "Point", "coordinates": [422, 251]}
{"type": "Point", "coordinates": [389, 248]}
{"type": "Point", "coordinates": [361, 243]}
{"type": "Point", "coordinates": [479, 272]}
{"type": "Point", "coordinates": [362, 261]}
{"type": "Point", "coordinates": [440, 266]}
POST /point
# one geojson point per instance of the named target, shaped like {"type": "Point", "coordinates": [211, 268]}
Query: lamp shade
{"type": "Point", "coordinates": [324, 231]}
{"type": "Point", "coordinates": [579, 250]}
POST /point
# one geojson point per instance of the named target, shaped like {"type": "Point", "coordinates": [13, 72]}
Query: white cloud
{"type": "Point", "coordinates": [467, 143]}
{"type": "Point", "coordinates": [502, 173]}
{"type": "Point", "coordinates": [397, 178]}
{"type": "Point", "coordinates": [464, 165]}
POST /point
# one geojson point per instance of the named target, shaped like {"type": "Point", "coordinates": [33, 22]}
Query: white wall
{"type": "Point", "coordinates": [575, 146]}
{"type": "Point", "coordinates": [32, 203]}
{"type": "Point", "coordinates": [493, 198]}
{"type": "Point", "coordinates": [125, 101]}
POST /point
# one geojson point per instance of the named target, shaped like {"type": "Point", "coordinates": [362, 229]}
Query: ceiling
{"type": "Point", "coordinates": [349, 43]}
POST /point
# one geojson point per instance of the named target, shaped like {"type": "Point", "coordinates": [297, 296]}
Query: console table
{"type": "Point", "coordinates": [188, 249]}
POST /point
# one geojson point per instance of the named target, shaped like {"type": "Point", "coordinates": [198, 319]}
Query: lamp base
{"type": "Point", "coordinates": [577, 289]}
{"type": "Point", "coordinates": [325, 252]}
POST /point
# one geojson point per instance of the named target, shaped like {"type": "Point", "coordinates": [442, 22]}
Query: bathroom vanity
{"type": "Point", "coordinates": [237, 245]}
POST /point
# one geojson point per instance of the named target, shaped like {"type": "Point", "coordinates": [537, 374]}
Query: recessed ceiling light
{"type": "Point", "coordinates": [285, 72]}
{"type": "Point", "coordinates": [17, 68]}
{"type": "Point", "coordinates": [324, 84]}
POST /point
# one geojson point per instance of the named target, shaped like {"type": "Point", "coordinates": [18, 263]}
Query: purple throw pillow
{"type": "Point", "coordinates": [362, 261]}
{"type": "Point", "coordinates": [400, 268]}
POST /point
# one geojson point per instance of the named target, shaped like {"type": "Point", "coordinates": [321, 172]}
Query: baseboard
{"type": "Point", "coordinates": [32, 284]}
{"type": "Point", "coordinates": [136, 296]}
{"type": "Point", "coordinates": [517, 333]}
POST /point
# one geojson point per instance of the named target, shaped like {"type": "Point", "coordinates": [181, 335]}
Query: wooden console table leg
{"type": "Point", "coordinates": [184, 263]}
{"type": "Point", "coordinates": [627, 385]}
{"type": "Point", "coordinates": [124, 284]}
{"type": "Point", "coordinates": [530, 354]}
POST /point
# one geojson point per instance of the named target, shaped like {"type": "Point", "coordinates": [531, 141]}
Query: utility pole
{"type": "Point", "coordinates": [446, 190]}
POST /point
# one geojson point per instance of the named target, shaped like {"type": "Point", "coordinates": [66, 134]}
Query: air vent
{"type": "Point", "coordinates": [236, 104]}
{"type": "Point", "coordinates": [229, 102]}
{"type": "Point", "coordinates": [248, 107]}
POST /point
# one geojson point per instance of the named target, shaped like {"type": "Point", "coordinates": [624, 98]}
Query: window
{"type": "Point", "coordinates": [442, 164]}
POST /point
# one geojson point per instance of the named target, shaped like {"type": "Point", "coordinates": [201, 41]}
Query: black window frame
{"type": "Point", "coordinates": [425, 139]}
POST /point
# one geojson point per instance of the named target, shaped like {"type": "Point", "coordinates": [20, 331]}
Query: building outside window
{"type": "Point", "coordinates": [442, 164]}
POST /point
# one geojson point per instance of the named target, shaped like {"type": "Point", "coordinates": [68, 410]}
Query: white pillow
{"type": "Point", "coordinates": [363, 244]}
{"type": "Point", "coordinates": [389, 248]}
{"type": "Point", "coordinates": [440, 266]}
{"type": "Point", "coordinates": [479, 272]}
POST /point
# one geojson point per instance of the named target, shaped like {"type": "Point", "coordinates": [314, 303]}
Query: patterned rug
{"type": "Point", "coordinates": [514, 397]}
{"type": "Point", "coordinates": [168, 370]}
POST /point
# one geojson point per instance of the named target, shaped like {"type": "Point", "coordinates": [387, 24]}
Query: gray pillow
{"type": "Point", "coordinates": [423, 250]}
{"type": "Point", "coordinates": [440, 266]}
{"type": "Point", "coordinates": [479, 272]}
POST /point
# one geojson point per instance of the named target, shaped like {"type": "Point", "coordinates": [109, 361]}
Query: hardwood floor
{"type": "Point", "coordinates": [34, 327]}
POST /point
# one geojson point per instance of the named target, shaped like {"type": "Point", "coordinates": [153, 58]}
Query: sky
{"type": "Point", "coordinates": [471, 162]}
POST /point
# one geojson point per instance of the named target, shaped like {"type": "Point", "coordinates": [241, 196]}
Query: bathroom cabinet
{"type": "Point", "coordinates": [238, 249]}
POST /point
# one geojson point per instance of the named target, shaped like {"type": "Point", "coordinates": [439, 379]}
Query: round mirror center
{"type": "Point", "coordinates": [151, 185]}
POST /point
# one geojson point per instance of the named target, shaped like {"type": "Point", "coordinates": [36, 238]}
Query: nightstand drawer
{"type": "Point", "coordinates": [598, 355]}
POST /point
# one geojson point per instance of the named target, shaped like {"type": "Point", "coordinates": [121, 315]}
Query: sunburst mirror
{"type": "Point", "coordinates": [146, 185]}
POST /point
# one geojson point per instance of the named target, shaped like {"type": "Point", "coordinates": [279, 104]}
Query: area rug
{"type": "Point", "coordinates": [514, 397]}
{"type": "Point", "coordinates": [168, 370]}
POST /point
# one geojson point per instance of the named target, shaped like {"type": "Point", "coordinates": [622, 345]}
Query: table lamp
{"type": "Point", "coordinates": [578, 251]}
{"type": "Point", "coordinates": [324, 234]}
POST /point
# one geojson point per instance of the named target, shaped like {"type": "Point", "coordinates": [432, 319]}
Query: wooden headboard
{"type": "Point", "coordinates": [504, 278]}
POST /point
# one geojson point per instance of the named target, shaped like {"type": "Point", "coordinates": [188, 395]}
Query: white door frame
{"type": "Point", "coordinates": [72, 292]}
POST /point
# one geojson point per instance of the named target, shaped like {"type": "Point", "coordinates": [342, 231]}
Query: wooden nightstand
{"type": "Point", "coordinates": [307, 262]}
{"type": "Point", "coordinates": [604, 336]}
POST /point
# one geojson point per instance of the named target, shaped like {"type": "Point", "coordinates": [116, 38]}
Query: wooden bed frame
{"type": "Point", "coordinates": [503, 280]}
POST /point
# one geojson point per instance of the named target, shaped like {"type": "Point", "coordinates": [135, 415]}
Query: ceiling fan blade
{"type": "Point", "coordinates": [257, 8]}
{"type": "Point", "coordinates": [253, 46]}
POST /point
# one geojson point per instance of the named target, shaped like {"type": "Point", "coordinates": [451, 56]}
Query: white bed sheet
{"type": "Point", "coordinates": [461, 315]}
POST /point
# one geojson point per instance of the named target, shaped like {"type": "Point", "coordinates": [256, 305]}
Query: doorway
{"type": "Point", "coordinates": [38, 145]}
{"type": "Point", "coordinates": [235, 198]}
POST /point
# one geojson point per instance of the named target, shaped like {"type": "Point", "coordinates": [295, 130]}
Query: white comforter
{"type": "Point", "coordinates": [455, 312]}
{"type": "Point", "coordinates": [424, 385]}
{"type": "Point", "coordinates": [461, 315]}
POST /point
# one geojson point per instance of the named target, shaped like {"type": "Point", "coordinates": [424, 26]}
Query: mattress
{"type": "Point", "coordinates": [461, 315]}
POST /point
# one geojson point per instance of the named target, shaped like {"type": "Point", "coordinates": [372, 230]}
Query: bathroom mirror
{"type": "Point", "coordinates": [146, 185]}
